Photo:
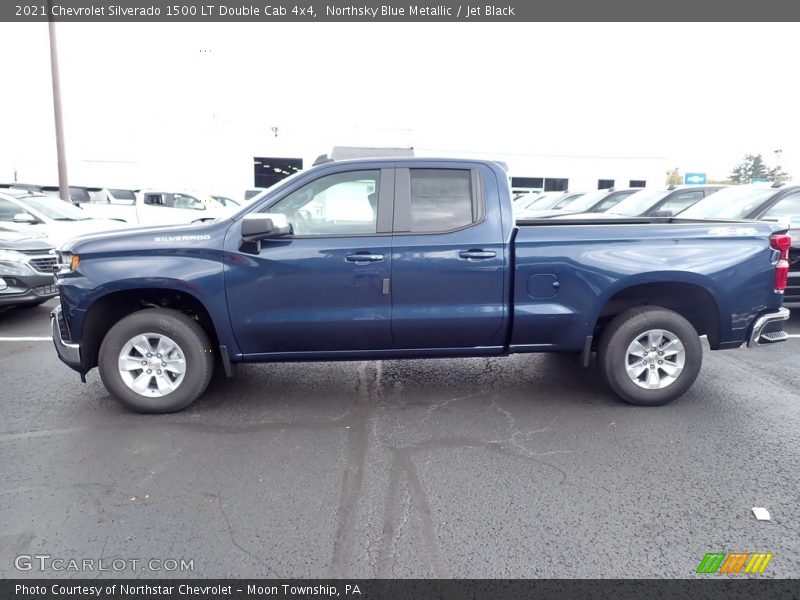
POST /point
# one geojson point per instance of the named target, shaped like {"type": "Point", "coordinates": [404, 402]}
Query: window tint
{"type": "Point", "coordinates": [681, 201]}
{"type": "Point", "coordinates": [53, 208]}
{"type": "Point", "coordinates": [441, 199]}
{"type": "Point", "coordinates": [583, 202]}
{"type": "Point", "coordinates": [735, 202]}
{"type": "Point", "coordinates": [185, 201]}
{"type": "Point", "coordinates": [8, 210]}
{"type": "Point", "coordinates": [611, 201]}
{"type": "Point", "coordinates": [338, 204]}
{"type": "Point", "coordinates": [224, 201]}
{"type": "Point", "coordinates": [787, 209]}
{"type": "Point", "coordinates": [123, 194]}
{"type": "Point", "coordinates": [155, 200]}
{"type": "Point", "coordinates": [639, 203]}
{"type": "Point", "coordinates": [79, 195]}
{"type": "Point", "coordinates": [121, 197]}
{"type": "Point", "coordinates": [544, 201]}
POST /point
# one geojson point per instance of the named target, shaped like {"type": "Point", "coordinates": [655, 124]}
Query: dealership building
{"type": "Point", "coordinates": [230, 157]}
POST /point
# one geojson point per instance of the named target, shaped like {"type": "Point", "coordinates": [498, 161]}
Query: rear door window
{"type": "Point", "coordinates": [155, 200]}
{"type": "Point", "coordinates": [441, 200]}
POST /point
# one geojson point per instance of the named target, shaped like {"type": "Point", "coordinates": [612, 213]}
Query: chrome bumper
{"type": "Point", "coordinates": [69, 353]}
{"type": "Point", "coordinates": [758, 335]}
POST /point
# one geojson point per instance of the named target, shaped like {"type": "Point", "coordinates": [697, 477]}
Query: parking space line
{"type": "Point", "coordinates": [26, 339]}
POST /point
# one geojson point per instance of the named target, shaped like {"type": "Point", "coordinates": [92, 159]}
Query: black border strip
{"type": "Point", "coordinates": [708, 587]}
{"type": "Point", "coordinates": [129, 11]}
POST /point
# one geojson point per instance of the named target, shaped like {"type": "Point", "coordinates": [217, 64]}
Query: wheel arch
{"type": "Point", "coordinates": [693, 301]}
{"type": "Point", "coordinates": [107, 310]}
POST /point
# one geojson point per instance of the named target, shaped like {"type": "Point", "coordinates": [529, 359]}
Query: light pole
{"type": "Point", "coordinates": [63, 185]}
{"type": "Point", "coordinates": [777, 163]}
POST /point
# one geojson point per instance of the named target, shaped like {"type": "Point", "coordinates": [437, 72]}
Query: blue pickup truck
{"type": "Point", "coordinates": [412, 258]}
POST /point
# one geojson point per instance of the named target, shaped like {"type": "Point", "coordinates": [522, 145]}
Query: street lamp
{"type": "Point", "coordinates": [777, 164]}
{"type": "Point", "coordinates": [63, 185]}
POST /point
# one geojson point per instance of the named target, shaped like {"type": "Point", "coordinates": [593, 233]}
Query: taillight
{"type": "Point", "coordinates": [781, 242]}
{"type": "Point", "coordinates": [781, 275]}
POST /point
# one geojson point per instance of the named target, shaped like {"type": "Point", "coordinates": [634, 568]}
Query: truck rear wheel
{"type": "Point", "coordinates": [650, 356]}
{"type": "Point", "coordinates": [156, 361]}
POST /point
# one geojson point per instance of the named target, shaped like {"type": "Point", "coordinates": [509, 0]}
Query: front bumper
{"type": "Point", "coordinates": [68, 352]}
{"type": "Point", "coordinates": [768, 328]}
{"type": "Point", "coordinates": [26, 289]}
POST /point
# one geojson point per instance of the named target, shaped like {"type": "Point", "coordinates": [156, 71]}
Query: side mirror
{"type": "Point", "coordinates": [25, 218]}
{"type": "Point", "coordinates": [261, 226]}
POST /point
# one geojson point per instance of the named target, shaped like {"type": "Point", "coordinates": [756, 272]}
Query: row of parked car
{"type": "Point", "coordinates": [626, 202]}
{"type": "Point", "coordinates": [34, 220]}
{"type": "Point", "coordinates": [778, 201]}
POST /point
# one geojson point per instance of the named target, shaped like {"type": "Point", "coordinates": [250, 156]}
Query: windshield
{"type": "Point", "coordinates": [225, 201]}
{"type": "Point", "coordinates": [729, 203]}
{"type": "Point", "coordinates": [210, 202]}
{"type": "Point", "coordinates": [53, 208]}
{"type": "Point", "coordinates": [545, 201]}
{"type": "Point", "coordinates": [585, 202]}
{"type": "Point", "coordinates": [639, 202]}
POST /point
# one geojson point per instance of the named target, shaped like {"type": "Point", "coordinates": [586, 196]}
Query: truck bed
{"type": "Point", "coordinates": [567, 272]}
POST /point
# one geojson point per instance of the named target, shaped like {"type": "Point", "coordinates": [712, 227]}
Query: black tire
{"type": "Point", "coordinates": [628, 326]}
{"type": "Point", "coordinates": [185, 332]}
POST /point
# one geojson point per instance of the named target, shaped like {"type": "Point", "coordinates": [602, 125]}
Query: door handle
{"type": "Point", "coordinates": [477, 254]}
{"type": "Point", "coordinates": [358, 258]}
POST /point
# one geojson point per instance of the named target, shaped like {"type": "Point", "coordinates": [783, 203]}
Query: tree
{"type": "Point", "coordinates": [752, 167]}
{"type": "Point", "coordinates": [777, 174]}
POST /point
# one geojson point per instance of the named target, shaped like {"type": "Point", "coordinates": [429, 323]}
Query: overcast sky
{"type": "Point", "coordinates": [701, 95]}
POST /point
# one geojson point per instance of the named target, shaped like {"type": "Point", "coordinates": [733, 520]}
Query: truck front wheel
{"type": "Point", "coordinates": [649, 356]}
{"type": "Point", "coordinates": [156, 361]}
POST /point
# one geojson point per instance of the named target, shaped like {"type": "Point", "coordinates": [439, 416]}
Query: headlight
{"type": "Point", "coordinates": [66, 263]}
{"type": "Point", "coordinates": [12, 256]}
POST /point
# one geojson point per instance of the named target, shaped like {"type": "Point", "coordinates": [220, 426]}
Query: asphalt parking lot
{"type": "Point", "coordinates": [513, 467]}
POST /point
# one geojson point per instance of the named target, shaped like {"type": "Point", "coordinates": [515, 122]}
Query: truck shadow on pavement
{"type": "Point", "coordinates": [533, 379]}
